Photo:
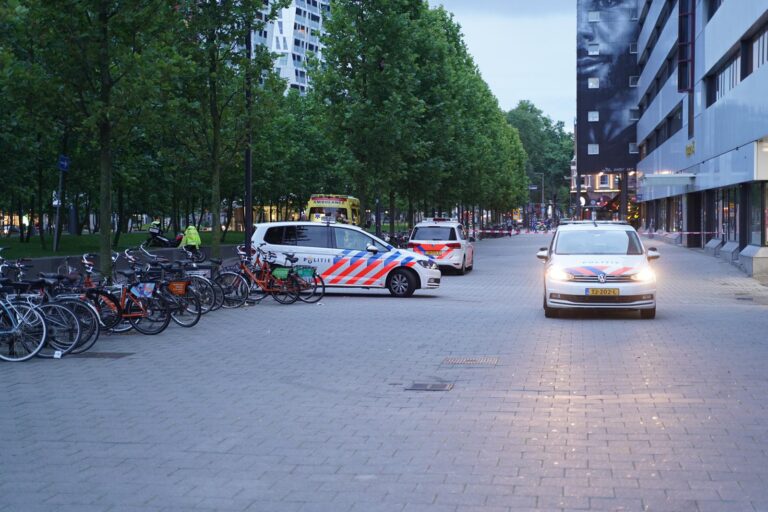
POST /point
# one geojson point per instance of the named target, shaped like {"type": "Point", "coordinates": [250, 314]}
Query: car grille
{"type": "Point", "coordinates": [600, 299]}
{"type": "Point", "coordinates": [608, 279]}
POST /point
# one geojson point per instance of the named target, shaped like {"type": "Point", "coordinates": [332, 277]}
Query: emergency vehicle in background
{"type": "Point", "coordinates": [333, 207]}
{"type": "Point", "coordinates": [445, 241]}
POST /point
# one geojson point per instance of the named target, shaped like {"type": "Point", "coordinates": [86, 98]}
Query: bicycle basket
{"type": "Point", "coordinates": [143, 290]}
{"type": "Point", "coordinates": [305, 271]}
{"type": "Point", "coordinates": [178, 287]}
{"type": "Point", "coordinates": [280, 272]}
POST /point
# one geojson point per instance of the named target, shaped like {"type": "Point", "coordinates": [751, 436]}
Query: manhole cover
{"type": "Point", "coordinates": [103, 355]}
{"type": "Point", "coordinates": [472, 361]}
{"type": "Point", "coordinates": [429, 386]}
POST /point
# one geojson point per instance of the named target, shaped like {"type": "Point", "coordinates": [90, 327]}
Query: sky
{"type": "Point", "coordinates": [525, 50]}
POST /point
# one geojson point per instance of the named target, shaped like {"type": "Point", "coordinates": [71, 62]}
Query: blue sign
{"type": "Point", "coordinates": [63, 163]}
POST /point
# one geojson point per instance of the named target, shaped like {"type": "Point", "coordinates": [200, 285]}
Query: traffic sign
{"type": "Point", "coordinates": [63, 163]}
{"type": "Point", "coordinates": [533, 187]}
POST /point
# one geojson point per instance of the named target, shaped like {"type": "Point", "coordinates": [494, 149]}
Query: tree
{"type": "Point", "coordinates": [549, 146]}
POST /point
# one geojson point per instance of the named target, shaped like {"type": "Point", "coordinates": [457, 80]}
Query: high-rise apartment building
{"type": "Point", "coordinates": [293, 36]}
{"type": "Point", "coordinates": [606, 106]}
{"type": "Point", "coordinates": [703, 127]}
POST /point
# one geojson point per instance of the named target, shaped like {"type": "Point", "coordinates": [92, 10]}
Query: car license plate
{"type": "Point", "coordinates": [433, 253]}
{"type": "Point", "coordinates": [602, 291]}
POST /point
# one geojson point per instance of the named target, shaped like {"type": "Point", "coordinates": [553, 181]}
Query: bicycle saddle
{"type": "Point", "coordinates": [52, 275]}
{"type": "Point", "coordinates": [127, 273]}
{"type": "Point", "coordinates": [289, 256]}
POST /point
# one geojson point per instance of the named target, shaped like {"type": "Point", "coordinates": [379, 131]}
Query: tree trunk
{"type": "Point", "coordinates": [120, 214]}
{"type": "Point", "coordinates": [40, 206]}
{"type": "Point", "coordinates": [202, 211]}
{"type": "Point", "coordinates": [21, 220]}
{"type": "Point", "coordinates": [391, 213]}
{"type": "Point", "coordinates": [230, 211]}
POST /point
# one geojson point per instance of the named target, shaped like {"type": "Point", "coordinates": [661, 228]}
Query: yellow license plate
{"type": "Point", "coordinates": [603, 291]}
{"type": "Point", "coordinates": [433, 253]}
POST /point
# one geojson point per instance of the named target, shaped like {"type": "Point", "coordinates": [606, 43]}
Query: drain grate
{"type": "Point", "coordinates": [472, 361]}
{"type": "Point", "coordinates": [429, 386]}
{"type": "Point", "coordinates": [103, 355]}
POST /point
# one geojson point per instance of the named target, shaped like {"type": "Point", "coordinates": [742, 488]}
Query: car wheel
{"type": "Point", "coordinates": [463, 269]}
{"type": "Point", "coordinates": [648, 314]}
{"type": "Point", "coordinates": [548, 311]}
{"type": "Point", "coordinates": [401, 283]}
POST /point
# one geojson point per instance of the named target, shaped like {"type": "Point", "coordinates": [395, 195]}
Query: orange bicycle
{"type": "Point", "coordinates": [285, 283]}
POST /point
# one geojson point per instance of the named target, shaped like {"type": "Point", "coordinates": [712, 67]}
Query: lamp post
{"type": "Point", "coordinates": [248, 203]}
{"type": "Point", "coordinates": [542, 191]}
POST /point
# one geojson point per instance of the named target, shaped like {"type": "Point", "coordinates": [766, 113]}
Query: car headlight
{"type": "Point", "coordinates": [558, 274]}
{"type": "Point", "coordinates": [646, 275]}
{"type": "Point", "coordinates": [428, 264]}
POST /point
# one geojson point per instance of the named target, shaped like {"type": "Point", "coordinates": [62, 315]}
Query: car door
{"type": "Point", "coordinates": [354, 265]}
{"type": "Point", "coordinates": [309, 243]}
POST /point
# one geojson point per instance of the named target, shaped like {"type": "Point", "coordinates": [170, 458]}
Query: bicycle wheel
{"type": "Point", "coordinates": [22, 333]}
{"type": "Point", "coordinates": [218, 292]}
{"type": "Point", "coordinates": [311, 289]}
{"type": "Point", "coordinates": [90, 327]}
{"type": "Point", "coordinates": [185, 310]}
{"type": "Point", "coordinates": [107, 306]}
{"type": "Point", "coordinates": [235, 289]}
{"type": "Point", "coordinates": [62, 330]}
{"type": "Point", "coordinates": [205, 292]}
{"type": "Point", "coordinates": [284, 291]}
{"type": "Point", "coordinates": [148, 316]}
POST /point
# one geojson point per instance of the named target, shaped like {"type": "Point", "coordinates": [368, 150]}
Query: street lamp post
{"type": "Point", "coordinates": [248, 203]}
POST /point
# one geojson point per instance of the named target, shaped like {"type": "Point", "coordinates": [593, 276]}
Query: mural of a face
{"type": "Point", "coordinates": [608, 37]}
{"type": "Point", "coordinates": [613, 35]}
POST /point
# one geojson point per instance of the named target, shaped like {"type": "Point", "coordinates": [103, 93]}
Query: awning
{"type": "Point", "coordinates": [668, 179]}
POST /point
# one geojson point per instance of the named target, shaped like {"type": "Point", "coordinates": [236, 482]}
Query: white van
{"type": "Point", "coordinates": [348, 257]}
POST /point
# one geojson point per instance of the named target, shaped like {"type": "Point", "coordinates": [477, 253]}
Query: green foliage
{"type": "Point", "coordinates": [550, 149]}
{"type": "Point", "coordinates": [146, 98]}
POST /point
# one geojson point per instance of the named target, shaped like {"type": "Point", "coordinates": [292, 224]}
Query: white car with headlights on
{"type": "Point", "coordinates": [598, 265]}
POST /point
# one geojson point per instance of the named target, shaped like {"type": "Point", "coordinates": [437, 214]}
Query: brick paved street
{"type": "Point", "coordinates": [303, 407]}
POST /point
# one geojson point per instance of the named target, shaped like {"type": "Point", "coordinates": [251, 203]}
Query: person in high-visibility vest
{"type": "Point", "coordinates": [191, 237]}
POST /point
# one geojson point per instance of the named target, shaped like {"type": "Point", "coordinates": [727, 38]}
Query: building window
{"type": "Point", "coordinates": [723, 80]}
{"type": "Point", "coordinates": [634, 114]}
{"type": "Point", "coordinates": [593, 149]}
{"type": "Point", "coordinates": [714, 5]}
{"type": "Point", "coordinates": [605, 181]}
{"type": "Point", "coordinates": [593, 116]}
{"type": "Point", "coordinates": [633, 148]}
{"type": "Point", "coordinates": [760, 49]}
{"type": "Point", "coordinates": [593, 49]}
{"type": "Point", "coordinates": [593, 16]}
{"type": "Point", "coordinates": [633, 81]}
{"type": "Point", "coordinates": [756, 209]}
{"type": "Point", "coordinates": [632, 47]}
{"type": "Point", "coordinates": [593, 83]}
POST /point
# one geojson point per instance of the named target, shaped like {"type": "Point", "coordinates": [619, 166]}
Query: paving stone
{"type": "Point", "coordinates": [288, 408]}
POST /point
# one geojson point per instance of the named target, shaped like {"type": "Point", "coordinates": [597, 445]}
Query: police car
{"type": "Point", "coordinates": [445, 242]}
{"type": "Point", "coordinates": [348, 257]}
{"type": "Point", "coordinates": [598, 265]}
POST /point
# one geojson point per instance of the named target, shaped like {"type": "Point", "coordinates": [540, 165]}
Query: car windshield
{"type": "Point", "coordinates": [597, 241]}
{"type": "Point", "coordinates": [433, 233]}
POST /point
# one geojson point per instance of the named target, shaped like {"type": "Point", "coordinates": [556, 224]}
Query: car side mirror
{"type": "Point", "coordinates": [543, 254]}
{"type": "Point", "coordinates": [372, 248]}
{"type": "Point", "coordinates": [653, 253]}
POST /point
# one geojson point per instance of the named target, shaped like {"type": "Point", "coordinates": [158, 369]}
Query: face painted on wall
{"type": "Point", "coordinates": [613, 34]}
